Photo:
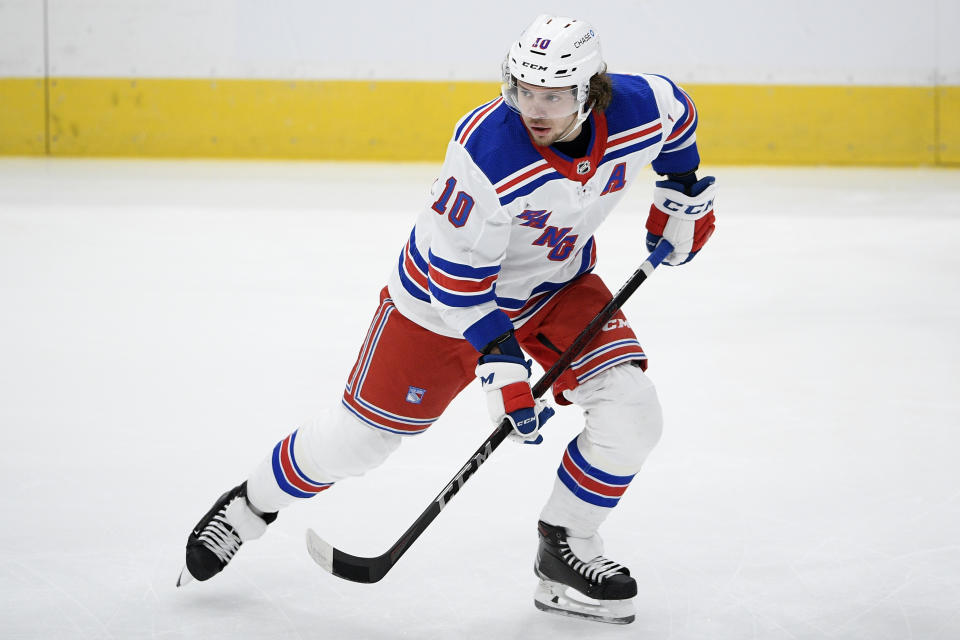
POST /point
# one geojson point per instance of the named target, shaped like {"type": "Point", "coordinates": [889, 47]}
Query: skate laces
{"type": "Point", "coordinates": [220, 537]}
{"type": "Point", "coordinates": [596, 570]}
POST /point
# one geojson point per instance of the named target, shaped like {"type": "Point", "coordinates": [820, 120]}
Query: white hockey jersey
{"type": "Point", "coordinates": [509, 223]}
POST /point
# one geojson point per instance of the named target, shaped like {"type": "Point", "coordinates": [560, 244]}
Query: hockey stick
{"type": "Point", "coordinates": [367, 570]}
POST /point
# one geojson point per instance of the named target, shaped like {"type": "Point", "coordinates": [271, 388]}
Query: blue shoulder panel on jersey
{"type": "Point", "coordinates": [466, 121]}
{"type": "Point", "coordinates": [633, 119]}
{"type": "Point", "coordinates": [633, 104]}
{"type": "Point", "coordinates": [498, 144]}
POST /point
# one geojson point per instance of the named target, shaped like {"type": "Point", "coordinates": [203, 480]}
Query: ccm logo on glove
{"type": "Point", "coordinates": [683, 215]}
{"type": "Point", "coordinates": [689, 210]}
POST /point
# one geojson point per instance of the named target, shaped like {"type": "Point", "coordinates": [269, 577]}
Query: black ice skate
{"type": "Point", "coordinates": [219, 534]}
{"type": "Point", "coordinates": [604, 588]}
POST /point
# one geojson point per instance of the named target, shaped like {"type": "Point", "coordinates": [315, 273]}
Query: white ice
{"type": "Point", "coordinates": [163, 324]}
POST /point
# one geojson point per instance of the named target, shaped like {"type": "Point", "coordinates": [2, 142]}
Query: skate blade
{"type": "Point", "coordinates": [560, 599]}
{"type": "Point", "coordinates": [184, 578]}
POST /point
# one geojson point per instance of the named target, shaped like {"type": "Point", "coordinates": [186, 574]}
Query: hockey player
{"type": "Point", "coordinates": [499, 265]}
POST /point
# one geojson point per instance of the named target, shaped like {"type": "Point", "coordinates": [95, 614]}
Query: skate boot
{"type": "Point", "coordinates": [596, 589]}
{"type": "Point", "coordinates": [219, 534]}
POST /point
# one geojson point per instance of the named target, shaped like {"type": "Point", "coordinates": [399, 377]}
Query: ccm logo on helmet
{"type": "Point", "coordinates": [586, 38]}
{"type": "Point", "coordinates": [535, 67]}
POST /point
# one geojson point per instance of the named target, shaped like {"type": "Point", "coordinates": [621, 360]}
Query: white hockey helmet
{"type": "Point", "coordinates": [554, 51]}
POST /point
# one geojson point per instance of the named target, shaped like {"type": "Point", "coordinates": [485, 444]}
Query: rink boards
{"type": "Point", "coordinates": [412, 120]}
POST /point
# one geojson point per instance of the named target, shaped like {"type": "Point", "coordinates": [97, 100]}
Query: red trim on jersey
{"type": "Point", "coordinates": [413, 271]}
{"type": "Point", "coordinates": [460, 285]}
{"type": "Point", "coordinates": [513, 313]}
{"type": "Point", "coordinates": [633, 136]}
{"type": "Point", "coordinates": [540, 168]}
{"type": "Point", "coordinates": [682, 127]}
{"type": "Point", "coordinates": [477, 119]}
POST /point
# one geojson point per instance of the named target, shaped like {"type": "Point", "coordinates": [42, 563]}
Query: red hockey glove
{"type": "Point", "coordinates": [686, 219]}
{"type": "Point", "coordinates": [505, 377]}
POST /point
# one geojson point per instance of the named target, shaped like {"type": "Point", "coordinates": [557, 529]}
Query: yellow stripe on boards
{"type": "Point", "coordinates": [747, 124]}
{"type": "Point", "coordinates": [413, 121]}
{"type": "Point", "coordinates": [329, 120]}
{"type": "Point", "coordinates": [22, 116]}
{"type": "Point", "coordinates": [948, 111]}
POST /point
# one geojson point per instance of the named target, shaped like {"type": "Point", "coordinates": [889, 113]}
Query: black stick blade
{"type": "Point", "coordinates": [343, 565]}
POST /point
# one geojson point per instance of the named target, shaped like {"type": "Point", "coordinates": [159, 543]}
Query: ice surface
{"type": "Point", "coordinates": [163, 324]}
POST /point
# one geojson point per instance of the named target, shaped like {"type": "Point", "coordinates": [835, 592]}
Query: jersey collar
{"type": "Point", "coordinates": [579, 169]}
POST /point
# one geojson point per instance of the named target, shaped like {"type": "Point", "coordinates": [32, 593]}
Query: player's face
{"type": "Point", "coordinates": [546, 112]}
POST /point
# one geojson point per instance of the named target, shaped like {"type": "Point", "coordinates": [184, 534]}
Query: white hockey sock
{"type": "Point", "coordinates": [623, 424]}
{"type": "Point", "coordinates": [311, 459]}
{"type": "Point", "coordinates": [579, 518]}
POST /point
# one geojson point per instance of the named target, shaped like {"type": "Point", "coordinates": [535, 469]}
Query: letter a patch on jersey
{"type": "Point", "coordinates": [415, 395]}
{"type": "Point", "coordinates": [618, 179]}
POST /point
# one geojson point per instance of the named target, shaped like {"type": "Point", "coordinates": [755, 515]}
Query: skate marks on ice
{"type": "Point", "coordinates": [154, 312]}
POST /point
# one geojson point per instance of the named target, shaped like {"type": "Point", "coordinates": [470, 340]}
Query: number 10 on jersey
{"type": "Point", "coordinates": [462, 204]}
